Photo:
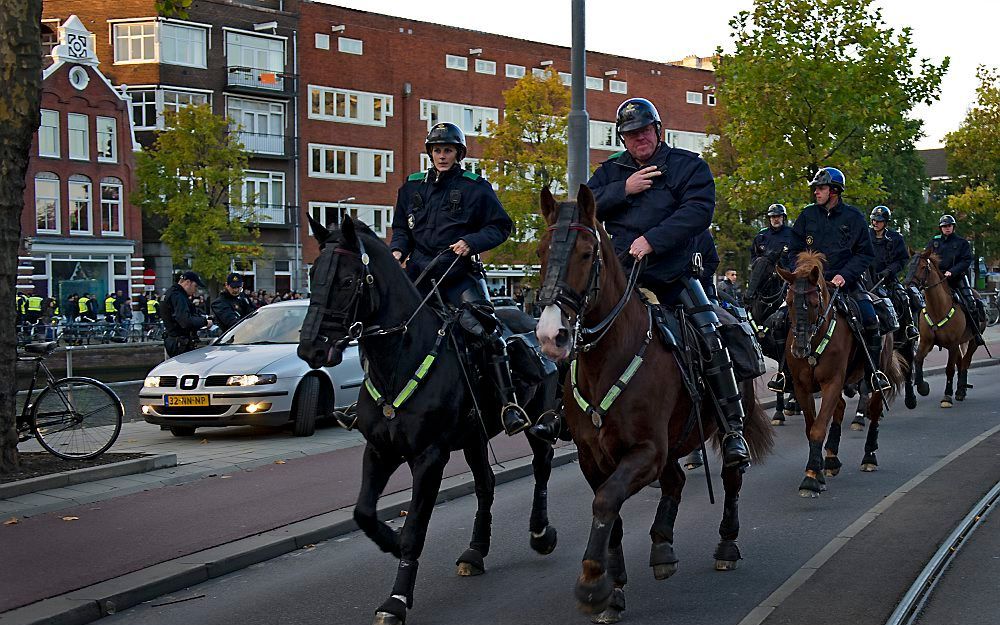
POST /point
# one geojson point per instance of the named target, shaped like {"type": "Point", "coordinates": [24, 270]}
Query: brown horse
{"type": "Point", "coordinates": [823, 355]}
{"type": "Point", "coordinates": [943, 324]}
{"type": "Point", "coordinates": [637, 433]}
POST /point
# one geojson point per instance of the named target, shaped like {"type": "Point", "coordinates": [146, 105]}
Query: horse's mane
{"type": "Point", "coordinates": [808, 261]}
{"type": "Point", "coordinates": [932, 256]}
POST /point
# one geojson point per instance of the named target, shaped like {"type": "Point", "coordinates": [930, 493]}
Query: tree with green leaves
{"type": "Point", "coordinates": [974, 162]}
{"type": "Point", "coordinates": [174, 8]}
{"type": "Point", "coordinates": [526, 153]}
{"type": "Point", "coordinates": [813, 83]}
{"type": "Point", "coordinates": [191, 179]}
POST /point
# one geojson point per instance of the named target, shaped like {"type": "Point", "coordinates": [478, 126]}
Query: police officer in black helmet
{"type": "Point", "coordinates": [446, 212]}
{"type": "Point", "coordinates": [891, 257]}
{"type": "Point", "coordinates": [955, 255]}
{"type": "Point", "coordinates": [655, 201]}
{"type": "Point", "coordinates": [773, 240]}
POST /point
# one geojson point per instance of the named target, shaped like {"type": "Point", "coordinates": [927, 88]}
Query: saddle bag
{"type": "Point", "coordinates": [526, 360]}
{"type": "Point", "coordinates": [771, 334]}
{"type": "Point", "coordinates": [744, 350]}
{"type": "Point", "coordinates": [888, 322]}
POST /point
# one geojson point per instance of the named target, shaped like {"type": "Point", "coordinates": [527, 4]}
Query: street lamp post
{"type": "Point", "coordinates": [578, 132]}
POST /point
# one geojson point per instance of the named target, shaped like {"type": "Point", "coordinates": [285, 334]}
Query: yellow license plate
{"type": "Point", "coordinates": [176, 401]}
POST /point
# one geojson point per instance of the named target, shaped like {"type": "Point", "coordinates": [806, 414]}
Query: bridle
{"type": "Point", "coordinates": [922, 283]}
{"type": "Point", "coordinates": [802, 326]}
{"type": "Point", "coordinates": [769, 300]}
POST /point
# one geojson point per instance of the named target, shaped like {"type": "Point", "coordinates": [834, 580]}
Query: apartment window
{"type": "Point", "coordinates": [111, 207]}
{"type": "Point", "coordinates": [262, 124]}
{"type": "Point", "coordinates": [486, 67]}
{"type": "Point", "coordinates": [376, 217]}
{"type": "Point", "coordinates": [183, 45]}
{"type": "Point", "coordinates": [46, 202]}
{"type": "Point", "coordinates": [135, 42]}
{"type": "Point", "coordinates": [350, 46]}
{"type": "Point", "coordinates": [538, 72]}
{"type": "Point", "coordinates": [80, 199]}
{"type": "Point", "coordinates": [474, 165]}
{"type": "Point", "coordinates": [515, 71]}
{"type": "Point", "coordinates": [347, 106]}
{"type": "Point", "coordinates": [143, 109]}
{"type": "Point", "coordinates": [107, 140]}
{"type": "Point", "coordinates": [710, 99]}
{"type": "Point", "coordinates": [595, 83]}
{"type": "Point", "coordinates": [322, 41]}
{"type": "Point", "coordinates": [264, 196]}
{"type": "Point", "coordinates": [456, 62]}
{"type": "Point", "coordinates": [249, 270]}
{"type": "Point", "coordinates": [79, 136]}
{"type": "Point", "coordinates": [617, 86]}
{"type": "Point", "coordinates": [282, 276]}
{"type": "Point", "coordinates": [259, 53]}
{"type": "Point", "coordinates": [149, 105]}
{"type": "Point", "coordinates": [566, 78]}
{"type": "Point", "coordinates": [471, 119]}
{"type": "Point", "coordinates": [50, 36]}
{"type": "Point", "coordinates": [693, 97]}
{"type": "Point", "coordinates": [604, 137]}
{"type": "Point", "coordinates": [48, 134]}
{"type": "Point", "coordinates": [348, 163]}
{"type": "Point", "coordinates": [174, 101]}
{"type": "Point", "coordinates": [694, 141]}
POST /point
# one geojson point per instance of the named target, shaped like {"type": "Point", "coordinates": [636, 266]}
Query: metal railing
{"type": "Point", "coordinates": [262, 214]}
{"type": "Point", "coordinates": [257, 78]}
{"type": "Point", "coordinates": [257, 143]}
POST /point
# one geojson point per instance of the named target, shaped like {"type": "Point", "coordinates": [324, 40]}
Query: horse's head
{"type": "Point", "coordinates": [923, 270]}
{"type": "Point", "coordinates": [807, 298]}
{"type": "Point", "coordinates": [342, 296]}
{"type": "Point", "coordinates": [765, 287]}
{"type": "Point", "coordinates": [570, 251]}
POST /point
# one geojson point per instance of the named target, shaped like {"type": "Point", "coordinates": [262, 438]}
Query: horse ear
{"type": "Point", "coordinates": [348, 230]}
{"type": "Point", "coordinates": [319, 230]}
{"type": "Point", "coordinates": [588, 206]}
{"type": "Point", "coordinates": [787, 276]}
{"type": "Point", "coordinates": [549, 207]}
{"type": "Point", "coordinates": [815, 275]}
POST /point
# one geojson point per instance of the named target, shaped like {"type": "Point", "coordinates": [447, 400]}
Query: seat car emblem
{"type": "Point", "coordinates": [809, 239]}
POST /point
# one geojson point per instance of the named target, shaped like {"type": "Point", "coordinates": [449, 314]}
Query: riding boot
{"type": "Point", "coordinates": [874, 378]}
{"type": "Point", "coordinates": [512, 416]}
{"type": "Point", "coordinates": [548, 427]}
{"type": "Point", "coordinates": [971, 305]}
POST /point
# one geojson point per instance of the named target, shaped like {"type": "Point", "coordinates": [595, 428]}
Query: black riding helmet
{"type": "Point", "coordinates": [445, 133]}
{"type": "Point", "coordinates": [881, 213]}
{"type": "Point", "coordinates": [777, 210]}
{"type": "Point", "coordinates": [946, 220]}
{"type": "Point", "coordinates": [636, 113]}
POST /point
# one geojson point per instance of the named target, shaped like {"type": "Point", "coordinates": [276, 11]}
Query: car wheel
{"type": "Point", "coordinates": [182, 430]}
{"type": "Point", "coordinates": [306, 404]}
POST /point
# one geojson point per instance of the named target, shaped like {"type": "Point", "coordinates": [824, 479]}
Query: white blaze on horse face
{"type": "Point", "coordinates": [547, 331]}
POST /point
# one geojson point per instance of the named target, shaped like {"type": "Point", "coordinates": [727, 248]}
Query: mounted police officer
{"type": "Point", "coordinates": [840, 231]}
{"type": "Point", "coordinates": [180, 319]}
{"type": "Point", "coordinates": [655, 201]}
{"type": "Point", "coordinates": [447, 208]}
{"type": "Point", "coordinates": [231, 305]}
{"type": "Point", "coordinates": [773, 241]}
{"type": "Point", "coordinates": [891, 257]}
{"type": "Point", "coordinates": [955, 254]}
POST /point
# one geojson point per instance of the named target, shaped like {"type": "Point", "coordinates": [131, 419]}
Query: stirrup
{"type": "Point", "coordinates": [547, 427]}
{"type": "Point", "coordinates": [880, 381]}
{"type": "Point", "coordinates": [515, 428]}
{"type": "Point", "coordinates": [777, 383]}
{"type": "Point", "coordinates": [347, 419]}
{"type": "Point", "coordinates": [912, 332]}
{"type": "Point", "coordinates": [743, 462]}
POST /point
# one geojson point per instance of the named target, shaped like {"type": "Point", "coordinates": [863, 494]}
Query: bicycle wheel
{"type": "Point", "coordinates": [77, 418]}
{"type": "Point", "coordinates": [992, 312]}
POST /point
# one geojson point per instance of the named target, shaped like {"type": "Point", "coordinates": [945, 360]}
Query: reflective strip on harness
{"type": "Point", "coordinates": [826, 338]}
{"type": "Point", "coordinates": [939, 324]}
{"type": "Point", "coordinates": [411, 385]}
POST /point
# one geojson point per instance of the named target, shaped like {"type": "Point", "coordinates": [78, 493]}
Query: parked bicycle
{"type": "Point", "coordinates": [73, 418]}
{"type": "Point", "coordinates": [993, 307]}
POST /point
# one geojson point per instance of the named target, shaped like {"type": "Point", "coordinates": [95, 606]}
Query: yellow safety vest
{"type": "Point", "coordinates": [21, 303]}
{"type": "Point", "coordinates": [151, 306]}
{"type": "Point", "coordinates": [34, 304]}
{"type": "Point", "coordinates": [109, 305]}
{"type": "Point", "coordinates": [83, 304]}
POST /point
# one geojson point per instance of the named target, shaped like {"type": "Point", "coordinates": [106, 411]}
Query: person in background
{"type": "Point", "coordinates": [181, 320]}
{"type": "Point", "coordinates": [232, 304]}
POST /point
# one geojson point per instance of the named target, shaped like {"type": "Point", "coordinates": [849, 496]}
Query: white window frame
{"type": "Point", "coordinates": [105, 230]}
{"type": "Point", "coordinates": [48, 134]}
{"type": "Point", "coordinates": [362, 212]}
{"type": "Point", "coordinates": [595, 83]}
{"type": "Point", "coordinates": [350, 46]}
{"type": "Point", "coordinates": [456, 62]}
{"type": "Point", "coordinates": [465, 116]}
{"type": "Point", "coordinates": [48, 177]}
{"type": "Point", "coordinates": [363, 158]}
{"type": "Point", "coordinates": [693, 97]}
{"type": "Point", "coordinates": [112, 136]}
{"type": "Point", "coordinates": [271, 143]}
{"type": "Point", "coordinates": [710, 99]}
{"type": "Point", "coordinates": [696, 142]}
{"type": "Point", "coordinates": [116, 40]}
{"type": "Point", "coordinates": [190, 52]}
{"type": "Point", "coordinates": [71, 132]}
{"type": "Point", "coordinates": [160, 104]}
{"type": "Point", "coordinates": [263, 49]}
{"type": "Point", "coordinates": [566, 78]}
{"type": "Point", "coordinates": [617, 86]}
{"type": "Point", "coordinates": [322, 41]}
{"type": "Point", "coordinates": [468, 164]}
{"type": "Point", "coordinates": [89, 185]}
{"type": "Point", "coordinates": [258, 179]}
{"type": "Point", "coordinates": [366, 105]}
{"type": "Point", "coordinates": [156, 36]}
{"type": "Point", "coordinates": [599, 130]}
{"type": "Point", "coordinates": [514, 71]}
{"type": "Point", "coordinates": [484, 66]}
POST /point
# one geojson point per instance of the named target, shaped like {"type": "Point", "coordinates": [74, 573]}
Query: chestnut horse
{"type": "Point", "coordinates": [943, 324]}
{"type": "Point", "coordinates": [641, 429]}
{"type": "Point", "coordinates": [823, 355]}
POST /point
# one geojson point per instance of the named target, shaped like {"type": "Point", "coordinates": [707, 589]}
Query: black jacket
{"type": "Point", "coordinates": [670, 214]}
{"type": "Point", "coordinates": [178, 314]}
{"type": "Point", "coordinates": [773, 240]}
{"type": "Point", "coordinates": [955, 253]}
{"type": "Point", "coordinates": [891, 254]}
{"type": "Point", "coordinates": [228, 309]}
{"type": "Point", "coordinates": [435, 210]}
{"type": "Point", "coordinates": [841, 234]}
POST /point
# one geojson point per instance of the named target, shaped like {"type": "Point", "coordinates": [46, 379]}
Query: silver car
{"type": "Point", "coordinates": [250, 375]}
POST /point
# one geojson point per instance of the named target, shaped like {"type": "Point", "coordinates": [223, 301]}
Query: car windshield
{"type": "Point", "coordinates": [268, 326]}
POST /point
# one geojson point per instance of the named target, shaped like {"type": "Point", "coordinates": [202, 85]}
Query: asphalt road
{"type": "Point", "coordinates": [344, 580]}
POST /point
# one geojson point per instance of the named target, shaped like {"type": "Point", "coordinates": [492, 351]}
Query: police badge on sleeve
{"type": "Point", "coordinates": [410, 221]}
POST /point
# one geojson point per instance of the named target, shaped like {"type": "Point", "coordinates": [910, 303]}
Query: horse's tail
{"type": "Point", "coordinates": [894, 366]}
{"type": "Point", "coordinates": [757, 428]}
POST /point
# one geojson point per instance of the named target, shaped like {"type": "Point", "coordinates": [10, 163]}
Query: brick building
{"type": "Point", "coordinates": [81, 232]}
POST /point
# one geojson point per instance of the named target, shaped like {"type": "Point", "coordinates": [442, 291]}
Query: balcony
{"type": "Point", "coordinates": [266, 146]}
{"type": "Point", "coordinates": [264, 215]}
{"type": "Point", "coordinates": [256, 81]}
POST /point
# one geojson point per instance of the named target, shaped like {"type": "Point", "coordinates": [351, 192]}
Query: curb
{"type": "Point", "coordinates": [108, 597]}
{"type": "Point", "coordinates": [90, 474]}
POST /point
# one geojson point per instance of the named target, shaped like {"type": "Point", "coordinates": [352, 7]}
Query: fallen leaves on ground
{"type": "Point", "coordinates": [279, 462]}
{"type": "Point", "coordinates": [12, 521]}
{"type": "Point", "coordinates": [71, 518]}
{"type": "Point", "coordinates": [404, 512]}
{"type": "Point", "coordinates": [225, 477]}
{"type": "Point", "coordinates": [203, 441]}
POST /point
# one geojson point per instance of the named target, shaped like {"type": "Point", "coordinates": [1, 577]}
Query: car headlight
{"type": "Point", "coordinates": [251, 380]}
{"type": "Point", "coordinates": [151, 381]}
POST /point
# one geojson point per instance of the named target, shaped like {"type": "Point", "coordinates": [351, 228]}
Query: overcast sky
{"type": "Point", "coordinates": [666, 30]}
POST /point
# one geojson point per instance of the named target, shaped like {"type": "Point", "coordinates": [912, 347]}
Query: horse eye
{"type": "Point", "coordinates": [587, 255]}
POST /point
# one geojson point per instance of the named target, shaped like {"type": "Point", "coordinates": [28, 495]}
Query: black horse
{"type": "Point", "coordinates": [417, 406]}
{"type": "Point", "coordinates": [764, 295]}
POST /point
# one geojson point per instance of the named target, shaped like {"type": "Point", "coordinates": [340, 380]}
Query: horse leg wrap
{"type": "Point", "coordinates": [728, 551]}
{"type": "Point", "coordinates": [815, 457]}
{"type": "Point", "coordinates": [833, 439]}
{"type": "Point", "coordinates": [395, 607]}
{"type": "Point", "coordinates": [406, 579]}
{"type": "Point", "coordinates": [539, 518]}
{"type": "Point", "coordinates": [662, 553]}
{"type": "Point", "coordinates": [616, 566]}
{"type": "Point", "coordinates": [729, 528]}
{"type": "Point", "coordinates": [481, 530]}
{"type": "Point", "coordinates": [663, 522]}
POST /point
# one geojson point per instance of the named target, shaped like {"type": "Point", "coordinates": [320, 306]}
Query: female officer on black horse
{"type": "Point", "coordinates": [447, 208]}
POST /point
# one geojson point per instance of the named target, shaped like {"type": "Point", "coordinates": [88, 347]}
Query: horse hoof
{"type": "Point", "coordinates": [857, 426]}
{"type": "Point", "coordinates": [946, 402]}
{"type": "Point", "coordinates": [727, 554]}
{"type": "Point", "coordinates": [384, 618]}
{"type": "Point", "coordinates": [911, 402]}
{"type": "Point", "coordinates": [663, 571]}
{"type": "Point", "coordinates": [960, 396]}
{"type": "Point", "coordinates": [392, 612]}
{"type": "Point", "coordinates": [725, 565]}
{"type": "Point", "coordinates": [924, 389]}
{"type": "Point", "coordinates": [869, 468]}
{"type": "Point", "coordinates": [776, 421]}
{"type": "Point", "coordinates": [613, 613]}
{"type": "Point", "coordinates": [790, 412]}
{"type": "Point", "coordinates": [471, 563]}
{"type": "Point", "coordinates": [545, 542]}
{"type": "Point", "coordinates": [811, 487]}
{"type": "Point", "coordinates": [593, 597]}
{"type": "Point", "coordinates": [466, 569]}
{"type": "Point", "coordinates": [805, 493]}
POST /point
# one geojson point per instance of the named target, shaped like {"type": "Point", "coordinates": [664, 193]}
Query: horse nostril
{"type": "Point", "coordinates": [562, 337]}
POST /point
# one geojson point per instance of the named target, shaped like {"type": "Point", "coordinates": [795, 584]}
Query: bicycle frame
{"type": "Point", "coordinates": [50, 380]}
